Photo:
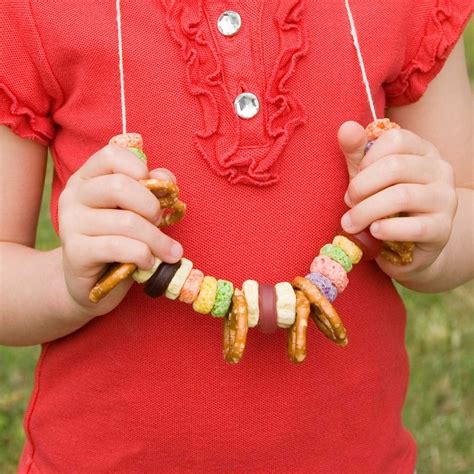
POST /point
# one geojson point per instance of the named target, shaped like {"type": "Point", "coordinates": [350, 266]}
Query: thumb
{"type": "Point", "coordinates": [352, 141]}
{"type": "Point", "coordinates": [162, 173]}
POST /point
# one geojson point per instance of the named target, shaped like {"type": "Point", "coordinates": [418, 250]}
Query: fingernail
{"type": "Point", "coordinates": [374, 228]}
{"type": "Point", "coordinates": [176, 251]}
{"type": "Point", "coordinates": [347, 199]}
{"type": "Point", "coordinates": [346, 222]}
{"type": "Point", "coordinates": [162, 175]}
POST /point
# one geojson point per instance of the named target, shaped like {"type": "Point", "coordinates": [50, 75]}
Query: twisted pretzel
{"type": "Point", "coordinates": [166, 191]}
{"type": "Point", "coordinates": [174, 210]}
{"type": "Point", "coordinates": [297, 332]}
{"type": "Point", "coordinates": [236, 328]}
{"type": "Point", "coordinates": [116, 273]}
{"type": "Point", "coordinates": [398, 253]}
{"type": "Point", "coordinates": [322, 311]}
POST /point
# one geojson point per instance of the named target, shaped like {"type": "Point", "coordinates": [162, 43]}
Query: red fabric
{"type": "Point", "coordinates": [144, 388]}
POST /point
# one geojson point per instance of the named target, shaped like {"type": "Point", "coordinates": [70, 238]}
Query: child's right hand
{"type": "Point", "coordinates": [106, 215]}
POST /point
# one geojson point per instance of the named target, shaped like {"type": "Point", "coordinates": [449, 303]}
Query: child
{"type": "Point", "coordinates": [136, 384]}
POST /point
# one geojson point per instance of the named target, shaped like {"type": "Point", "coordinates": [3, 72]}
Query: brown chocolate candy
{"type": "Point", "coordinates": [158, 283]}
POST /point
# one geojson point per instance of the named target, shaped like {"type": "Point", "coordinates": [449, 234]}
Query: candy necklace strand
{"type": "Point", "coordinates": [266, 306]}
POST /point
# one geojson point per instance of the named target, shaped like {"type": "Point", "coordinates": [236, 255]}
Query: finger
{"type": "Point", "coordinates": [428, 228]}
{"type": "Point", "coordinates": [129, 224]}
{"type": "Point", "coordinates": [113, 159]}
{"type": "Point", "coordinates": [163, 173]}
{"type": "Point", "coordinates": [397, 142]}
{"type": "Point", "coordinates": [86, 252]}
{"type": "Point", "coordinates": [399, 198]}
{"type": "Point", "coordinates": [390, 170]}
{"type": "Point", "coordinates": [120, 191]}
{"type": "Point", "coordinates": [352, 140]}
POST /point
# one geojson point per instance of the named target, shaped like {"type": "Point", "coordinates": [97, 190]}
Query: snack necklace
{"type": "Point", "coordinates": [285, 305]}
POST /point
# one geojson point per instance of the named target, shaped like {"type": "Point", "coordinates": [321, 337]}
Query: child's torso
{"type": "Point", "coordinates": [145, 388]}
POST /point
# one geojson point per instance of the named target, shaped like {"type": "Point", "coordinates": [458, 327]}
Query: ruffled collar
{"type": "Point", "coordinates": [221, 141]}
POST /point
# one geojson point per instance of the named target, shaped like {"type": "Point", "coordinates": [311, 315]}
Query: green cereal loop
{"type": "Point", "coordinates": [338, 255]}
{"type": "Point", "coordinates": [138, 153]}
{"type": "Point", "coordinates": [225, 290]}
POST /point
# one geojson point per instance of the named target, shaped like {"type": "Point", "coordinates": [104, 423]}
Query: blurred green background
{"type": "Point", "coordinates": [439, 409]}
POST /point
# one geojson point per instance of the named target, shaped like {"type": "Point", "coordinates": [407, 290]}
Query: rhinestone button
{"type": "Point", "coordinates": [229, 23]}
{"type": "Point", "coordinates": [246, 105]}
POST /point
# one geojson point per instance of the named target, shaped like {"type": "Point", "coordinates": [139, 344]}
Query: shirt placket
{"type": "Point", "coordinates": [236, 30]}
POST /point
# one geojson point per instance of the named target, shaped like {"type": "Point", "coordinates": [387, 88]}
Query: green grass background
{"type": "Point", "coordinates": [440, 336]}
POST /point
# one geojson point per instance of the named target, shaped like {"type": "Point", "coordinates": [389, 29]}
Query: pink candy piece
{"type": "Point", "coordinates": [191, 287]}
{"type": "Point", "coordinates": [332, 270]}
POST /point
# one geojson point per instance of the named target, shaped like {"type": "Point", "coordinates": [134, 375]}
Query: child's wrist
{"type": "Point", "coordinates": [426, 280]}
{"type": "Point", "coordinates": [64, 305]}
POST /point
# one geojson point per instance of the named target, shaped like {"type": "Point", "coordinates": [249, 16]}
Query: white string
{"type": "Point", "coordinates": [122, 79]}
{"type": "Point", "coordinates": [361, 61]}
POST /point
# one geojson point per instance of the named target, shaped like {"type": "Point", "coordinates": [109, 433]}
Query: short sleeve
{"type": "Point", "coordinates": [433, 29]}
{"type": "Point", "coordinates": [26, 85]}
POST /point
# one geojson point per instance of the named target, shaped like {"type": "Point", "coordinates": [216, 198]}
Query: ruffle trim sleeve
{"type": "Point", "coordinates": [443, 29]}
{"type": "Point", "coordinates": [24, 121]}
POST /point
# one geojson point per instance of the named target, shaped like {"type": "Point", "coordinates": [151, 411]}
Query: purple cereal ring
{"type": "Point", "coordinates": [332, 270]}
{"type": "Point", "coordinates": [368, 146]}
{"type": "Point", "coordinates": [324, 284]}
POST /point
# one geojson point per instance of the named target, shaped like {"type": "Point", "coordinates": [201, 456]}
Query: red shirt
{"type": "Point", "coordinates": [145, 388]}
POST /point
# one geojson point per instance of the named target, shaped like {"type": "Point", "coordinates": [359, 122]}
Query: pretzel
{"type": "Point", "coordinates": [398, 253]}
{"type": "Point", "coordinates": [174, 210]}
{"type": "Point", "coordinates": [323, 311]}
{"type": "Point", "coordinates": [166, 191]}
{"type": "Point", "coordinates": [116, 273]}
{"type": "Point", "coordinates": [173, 215]}
{"type": "Point", "coordinates": [297, 332]}
{"type": "Point", "coordinates": [236, 328]}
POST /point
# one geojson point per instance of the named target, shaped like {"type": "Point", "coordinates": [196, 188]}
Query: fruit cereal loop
{"type": "Point", "coordinates": [142, 276]}
{"type": "Point", "coordinates": [139, 154]}
{"type": "Point", "coordinates": [192, 285]}
{"type": "Point", "coordinates": [128, 140]}
{"type": "Point", "coordinates": [338, 255]}
{"type": "Point", "coordinates": [236, 328]}
{"type": "Point", "coordinates": [324, 284]}
{"type": "Point", "coordinates": [297, 332]}
{"type": "Point", "coordinates": [350, 248]}
{"type": "Point", "coordinates": [204, 303]}
{"type": "Point", "coordinates": [285, 304]}
{"type": "Point", "coordinates": [377, 128]}
{"type": "Point", "coordinates": [323, 310]}
{"type": "Point", "coordinates": [250, 289]}
{"type": "Point", "coordinates": [224, 292]}
{"type": "Point", "coordinates": [176, 284]}
{"type": "Point", "coordinates": [332, 270]}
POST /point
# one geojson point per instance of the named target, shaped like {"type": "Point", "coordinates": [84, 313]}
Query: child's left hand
{"type": "Point", "coordinates": [400, 173]}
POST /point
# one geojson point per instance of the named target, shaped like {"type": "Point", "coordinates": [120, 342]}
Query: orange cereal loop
{"type": "Point", "coordinates": [128, 140]}
{"type": "Point", "coordinates": [375, 129]}
{"type": "Point", "coordinates": [191, 287]}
